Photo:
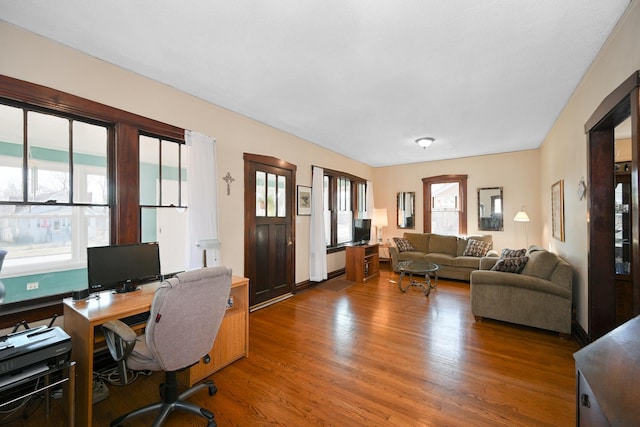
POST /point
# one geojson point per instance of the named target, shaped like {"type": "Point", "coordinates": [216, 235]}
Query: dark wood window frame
{"type": "Point", "coordinates": [333, 175]}
{"type": "Point", "coordinates": [123, 170]}
{"type": "Point", "coordinates": [426, 190]}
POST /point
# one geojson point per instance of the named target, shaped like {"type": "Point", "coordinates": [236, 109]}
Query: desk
{"type": "Point", "coordinates": [82, 317]}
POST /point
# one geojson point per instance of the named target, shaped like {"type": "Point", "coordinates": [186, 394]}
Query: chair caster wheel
{"type": "Point", "coordinates": [212, 424]}
{"type": "Point", "coordinates": [212, 390]}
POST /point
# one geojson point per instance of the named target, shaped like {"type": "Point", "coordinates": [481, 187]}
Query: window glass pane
{"type": "Point", "coordinates": [170, 173]}
{"type": "Point", "coordinates": [48, 148]}
{"type": "Point", "coordinates": [168, 227]}
{"type": "Point", "coordinates": [90, 163]}
{"type": "Point", "coordinates": [271, 195]}
{"type": "Point", "coordinates": [149, 170]}
{"type": "Point", "coordinates": [50, 234]}
{"type": "Point", "coordinates": [345, 221]}
{"type": "Point", "coordinates": [184, 177]}
{"type": "Point", "coordinates": [261, 191]}
{"type": "Point", "coordinates": [282, 196]}
{"type": "Point", "coordinates": [445, 207]}
{"type": "Point", "coordinates": [11, 153]}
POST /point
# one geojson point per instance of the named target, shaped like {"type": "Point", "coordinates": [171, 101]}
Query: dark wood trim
{"type": "Point", "coordinates": [580, 335]}
{"type": "Point", "coordinates": [613, 110]}
{"type": "Point", "coordinates": [615, 107]}
{"type": "Point", "coordinates": [55, 100]}
{"type": "Point", "coordinates": [426, 200]}
{"type": "Point", "coordinates": [601, 269]}
{"type": "Point", "coordinates": [270, 161]}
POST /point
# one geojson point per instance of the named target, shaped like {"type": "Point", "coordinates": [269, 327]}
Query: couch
{"type": "Point", "coordinates": [533, 289]}
{"type": "Point", "coordinates": [446, 251]}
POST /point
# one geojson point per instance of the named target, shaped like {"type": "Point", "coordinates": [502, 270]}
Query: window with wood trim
{"type": "Point", "coordinates": [344, 200]}
{"type": "Point", "coordinates": [445, 204]}
{"type": "Point", "coordinates": [64, 186]}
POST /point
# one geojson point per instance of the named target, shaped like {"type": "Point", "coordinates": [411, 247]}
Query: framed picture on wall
{"type": "Point", "coordinates": [304, 200]}
{"type": "Point", "coordinates": [557, 210]}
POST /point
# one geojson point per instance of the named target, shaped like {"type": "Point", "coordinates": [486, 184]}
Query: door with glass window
{"type": "Point", "coordinates": [269, 230]}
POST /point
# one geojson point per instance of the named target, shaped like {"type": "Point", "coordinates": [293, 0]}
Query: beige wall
{"type": "Point", "coordinates": [564, 151]}
{"type": "Point", "coordinates": [518, 173]}
{"type": "Point", "coordinates": [38, 60]}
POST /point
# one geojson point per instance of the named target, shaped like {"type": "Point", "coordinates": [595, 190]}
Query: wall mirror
{"type": "Point", "coordinates": [490, 209]}
{"type": "Point", "coordinates": [406, 210]}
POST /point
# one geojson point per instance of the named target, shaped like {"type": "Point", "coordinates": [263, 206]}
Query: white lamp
{"type": "Point", "coordinates": [425, 142]}
{"type": "Point", "coordinates": [209, 244]}
{"type": "Point", "coordinates": [522, 216]}
{"type": "Point", "coordinates": [380, 220]}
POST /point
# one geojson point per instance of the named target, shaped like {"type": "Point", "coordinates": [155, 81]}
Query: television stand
{"type": "Point", "coordinates": [362, 262]}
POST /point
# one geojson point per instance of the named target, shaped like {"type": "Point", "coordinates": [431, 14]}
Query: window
{"type": "Point", "coordinates": [344, 200]}
{"type": "Point", "coordinates": [163, 199]}
{"type": "Point", "coordinates": [53, 189]}
{"type": "Point", "coordinates": [69, 179]}
{"type": "Point", "coordinates": [445, 204]}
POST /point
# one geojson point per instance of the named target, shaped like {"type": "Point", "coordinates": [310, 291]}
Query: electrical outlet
{"type": "Point", "coordinates": [32, 285]}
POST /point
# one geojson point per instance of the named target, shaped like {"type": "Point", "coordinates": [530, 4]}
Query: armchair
{"type": "Point", "coordinates": [175, 337]}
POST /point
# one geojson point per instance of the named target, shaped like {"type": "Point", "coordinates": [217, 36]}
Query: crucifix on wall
{"type": "Point", "coordinates": [228, 179]}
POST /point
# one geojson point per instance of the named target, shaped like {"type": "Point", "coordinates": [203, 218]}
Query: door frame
{"type": "Point", "coordinates": [620, 104]}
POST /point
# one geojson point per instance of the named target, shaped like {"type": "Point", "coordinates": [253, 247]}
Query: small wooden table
{"type": "Point", "coordinates": [418, 267]}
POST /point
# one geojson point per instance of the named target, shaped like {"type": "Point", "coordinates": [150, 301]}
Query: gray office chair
{"type": "Point", "coordinates": [185, 316]}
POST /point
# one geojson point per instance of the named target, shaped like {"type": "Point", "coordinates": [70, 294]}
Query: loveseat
{"type": "Point", "coordinates": [455, 255]}
{"type": "Point", "coordinates": [532, 288]}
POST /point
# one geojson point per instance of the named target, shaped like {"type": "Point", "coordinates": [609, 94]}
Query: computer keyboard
{"type": "Point", "coordinates": [136, 319]}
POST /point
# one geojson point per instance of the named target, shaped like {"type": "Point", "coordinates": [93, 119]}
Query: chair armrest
{"type": "Point", "coordinates": [120, 339]}
{"type": "Point", "coordinates": [487, 262]}
{"type": "Point", "coordinates": [121, 329]}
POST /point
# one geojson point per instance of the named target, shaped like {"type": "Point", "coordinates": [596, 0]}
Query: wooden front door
{"type": "Point", "coordinates": [269, 228]}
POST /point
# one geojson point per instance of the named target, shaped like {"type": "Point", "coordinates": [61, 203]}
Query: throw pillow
{"type": "Point", "coordinates": [511, 265]}
{"type": "Point", "coordinates": [476, 248]}
{"type": "Point", "coordinates": [513, 253]}
{"type": "Point", "coordinates": [403, 244]}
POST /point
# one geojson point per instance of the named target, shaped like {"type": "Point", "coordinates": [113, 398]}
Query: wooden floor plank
{"type": "Point", "coordinates": [370, 355]}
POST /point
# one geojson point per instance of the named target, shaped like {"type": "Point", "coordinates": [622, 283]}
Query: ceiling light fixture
{"type": "Point", "coordinates": [424, 142]}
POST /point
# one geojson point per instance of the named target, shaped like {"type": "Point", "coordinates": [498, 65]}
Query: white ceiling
{"type": "Point", "coordinates": [364, 78]}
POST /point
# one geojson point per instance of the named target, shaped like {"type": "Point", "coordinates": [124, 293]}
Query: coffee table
{"type": "Point", "coordinates": [418, 267]}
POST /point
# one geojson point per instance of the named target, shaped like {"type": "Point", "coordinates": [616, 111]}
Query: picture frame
{"type": "Point", "coordinates": [557, 210]}
{"type": "Point", "coordinates": [304, 200]}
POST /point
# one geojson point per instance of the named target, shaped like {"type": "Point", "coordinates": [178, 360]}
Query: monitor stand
{"type": "Point", "coordinates": [127, 287]}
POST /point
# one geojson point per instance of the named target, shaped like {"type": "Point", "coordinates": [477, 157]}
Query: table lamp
{"type": "Point", "coordinates": [380, 220]}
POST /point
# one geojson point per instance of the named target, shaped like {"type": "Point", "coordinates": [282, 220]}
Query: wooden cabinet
{"type": "Point", "coordinates": [608, 378]}
{"type": "Point", "coordinates": [362, 263]}
{"type": "Point", "coordinates": [232, 341]}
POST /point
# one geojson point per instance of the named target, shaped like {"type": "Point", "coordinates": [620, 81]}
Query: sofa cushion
{"type": "Point", "coordinates": [463, 241]}
{"type": "Point", "coordinates": [513, 253]}
{"type": "Point", "coordinates": [476, 248]}
{"type": "Point", "coordinates": [420, 241]}
{"type": "Point", "coordinates": [541, 264]}
{"type": "Point", "coordinates": [403, 244]}
{"type": "Point", "coordinates": [440, 258]}
{"type": "Point", "coordinates": [510, 265]}
{"type": "Point", "coordinates": [466, 261]}
{"type": "Point", "coordinates": [442, 244]}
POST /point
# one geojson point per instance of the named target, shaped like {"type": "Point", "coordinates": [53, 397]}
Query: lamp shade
{"type": "Point", "coordinates": [521, 216]}
{"type": "Point", "coordinates": [380, 217]}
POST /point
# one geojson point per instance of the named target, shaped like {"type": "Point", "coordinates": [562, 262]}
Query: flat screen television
{"type": "Point", "coordinates": [361, 231]}
{"type": "Point", "coordinates": [122, 267]}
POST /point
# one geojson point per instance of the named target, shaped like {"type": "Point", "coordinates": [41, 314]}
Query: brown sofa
{"type": "Point", "coordinates": [446, 251]}
{"type": "Point", "coordinates": [539, 296]}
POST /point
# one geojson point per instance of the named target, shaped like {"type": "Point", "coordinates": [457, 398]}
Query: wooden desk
{"type": "Point", "coordinates": [82, 317]}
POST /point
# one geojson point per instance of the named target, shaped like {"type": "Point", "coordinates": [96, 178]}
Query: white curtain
{"type": "Point", "coordinates": [317, 243]}
{"type": "Point", "coordinates": [202, 198]}
{"type": "Point", "coordinates": [368, 213]}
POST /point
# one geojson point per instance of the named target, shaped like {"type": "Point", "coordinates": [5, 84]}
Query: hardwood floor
{"type": "Point", "coordinates": [369, 355]}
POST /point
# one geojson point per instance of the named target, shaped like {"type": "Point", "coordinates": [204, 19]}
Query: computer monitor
{"type": "Point", "coordinates": [122, 267]}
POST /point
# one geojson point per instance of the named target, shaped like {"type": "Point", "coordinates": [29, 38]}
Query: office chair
{"type": "Point", "coordinates": [185, 316]}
